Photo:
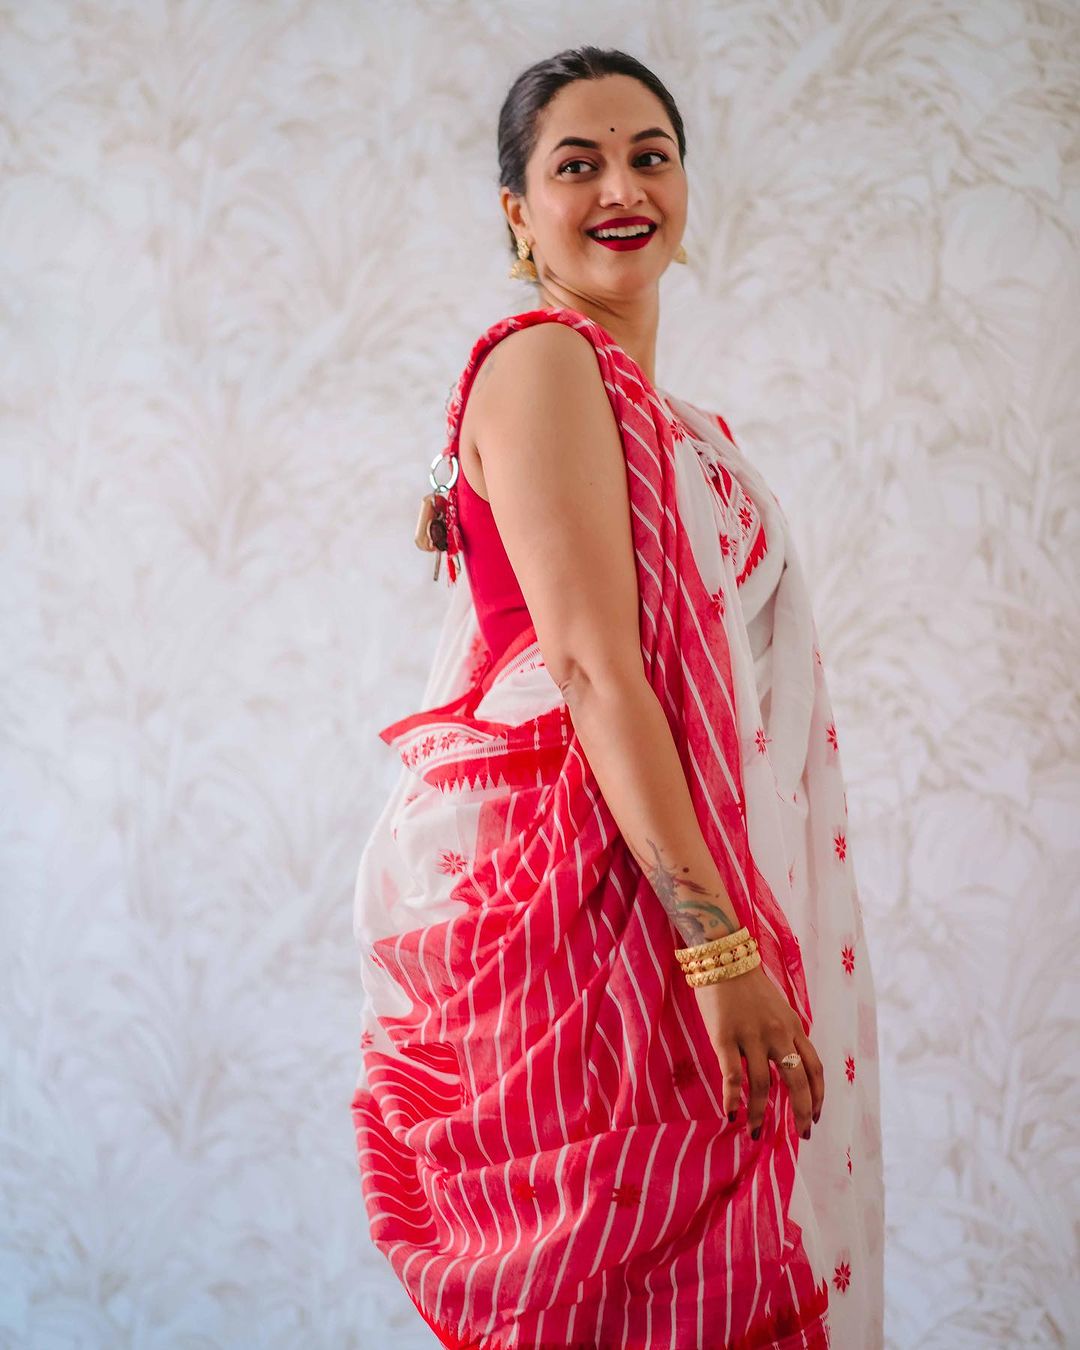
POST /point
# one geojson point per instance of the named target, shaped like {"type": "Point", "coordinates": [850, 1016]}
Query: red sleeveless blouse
{"type": "Point", "coordinates": [500, 606]}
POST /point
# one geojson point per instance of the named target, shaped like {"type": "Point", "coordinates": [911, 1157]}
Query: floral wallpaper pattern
{"type": "Point", "coordinates": [246, 250]}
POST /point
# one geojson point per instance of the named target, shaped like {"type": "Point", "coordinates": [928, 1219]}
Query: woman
{"type": "Point", "coordinates": [611, 895]}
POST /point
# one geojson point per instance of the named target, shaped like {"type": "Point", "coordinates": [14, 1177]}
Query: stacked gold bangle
{"type": "Point", "coordinates": [721, 959]}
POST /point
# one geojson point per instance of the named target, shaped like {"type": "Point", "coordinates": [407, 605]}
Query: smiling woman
{"type": "Point", "coordinates": [612, 941]}
{"type": "Point", "coordinates": [632, 174]}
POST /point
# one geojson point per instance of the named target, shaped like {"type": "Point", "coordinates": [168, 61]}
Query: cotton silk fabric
{"type": "Point", "coordinates": [544, 1154]}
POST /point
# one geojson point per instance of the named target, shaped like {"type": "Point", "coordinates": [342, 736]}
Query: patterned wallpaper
{"type": "Point", "coordinates": [246, 250]}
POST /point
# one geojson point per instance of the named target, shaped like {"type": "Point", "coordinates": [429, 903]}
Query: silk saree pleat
{"type": "Point", "coordinates": [538, 1115]}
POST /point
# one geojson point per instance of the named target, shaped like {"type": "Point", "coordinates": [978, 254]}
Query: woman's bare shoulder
{"type": "Point", "coordinates": [520, 375]}
{"type": "Point", "coordinates": [529, 360]}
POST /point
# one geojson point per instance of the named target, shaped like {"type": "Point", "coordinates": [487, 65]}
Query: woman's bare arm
{"type": "Point", "coordinates": [556, 478]}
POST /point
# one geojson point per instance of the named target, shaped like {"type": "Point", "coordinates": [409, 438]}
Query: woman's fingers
{"type": "Point", "coordinates": [764, 1029]}
{"type": "Point", "coordinates": [815, 1073]}
{"type": "Point", "coordinates": [757, 1071]}
{"type": "Point", "coordinates": [727, 1052]}
{"type": "Point", "coordinates": [798, 1084]}
{"type": "Point", "coordinates": [805, 1081]}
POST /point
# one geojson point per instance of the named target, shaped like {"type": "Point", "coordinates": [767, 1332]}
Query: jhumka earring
{"type": "Point", "coordinates": [680, 254]}
{"type": "Point", "coordinates": [524, 268]}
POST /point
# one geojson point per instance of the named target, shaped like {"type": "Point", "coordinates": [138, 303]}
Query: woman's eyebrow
{"type": "Point", "coordinates": [595, 145]}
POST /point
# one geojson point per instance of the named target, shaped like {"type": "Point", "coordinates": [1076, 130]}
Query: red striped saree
{"type": "Point", "coordinates": [543, 1153]}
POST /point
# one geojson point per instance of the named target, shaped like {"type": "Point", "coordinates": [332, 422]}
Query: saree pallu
{"type": "Point", "coordinates": [545, 1159]}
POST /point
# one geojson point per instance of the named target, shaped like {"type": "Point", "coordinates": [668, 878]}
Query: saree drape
{"type": "Point", "coordinates": [544, 1156]}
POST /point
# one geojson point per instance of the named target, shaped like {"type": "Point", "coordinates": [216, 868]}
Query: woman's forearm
{"type": "Point", "coordinates": [632, 753]}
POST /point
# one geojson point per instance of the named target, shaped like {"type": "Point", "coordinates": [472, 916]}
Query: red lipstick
{"type": "Point", "coordinates": [624, 245]}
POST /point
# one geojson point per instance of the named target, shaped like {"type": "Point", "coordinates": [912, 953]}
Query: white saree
{"type": "Point", "coordinates": [521, 1017]}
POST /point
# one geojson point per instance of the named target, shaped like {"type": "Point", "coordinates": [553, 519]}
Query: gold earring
{"type": "Point", "coordinates": [524, 269]}
{"type": "Point", "coordinates": [680, 254]}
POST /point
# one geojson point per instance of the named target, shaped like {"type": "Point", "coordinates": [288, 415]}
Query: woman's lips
{"type": "Point", "coordinates": [624, 245]}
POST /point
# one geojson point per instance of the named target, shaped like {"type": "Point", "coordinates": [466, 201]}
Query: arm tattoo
{"type": "Point", "coordinates": [697, 915]}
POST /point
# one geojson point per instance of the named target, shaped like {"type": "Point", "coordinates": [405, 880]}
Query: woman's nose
{"type": "Point", "coordinates": [620, 189]}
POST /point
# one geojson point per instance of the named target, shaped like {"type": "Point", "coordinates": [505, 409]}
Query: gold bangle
{"type": "Point", "coordinates": [741, 948]}
{"type": "Point", "coordinates": [713, 948]}
{"type": "Point", "coordinates": [703, 977]}
{"type": "Point", "coordinates": [713, 945]}
{"type": "Point", "coordinates": [738, 953]}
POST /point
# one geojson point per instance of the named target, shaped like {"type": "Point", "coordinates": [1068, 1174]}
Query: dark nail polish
{"type": "Point", "coordinates": [731, 1115]}
{"type": "Point", "coordinates": [806, 1132]}
{"type": "Point", "coordinates": [754, 1133]}
{"type": "Point", "coordinates": [816, 1118]}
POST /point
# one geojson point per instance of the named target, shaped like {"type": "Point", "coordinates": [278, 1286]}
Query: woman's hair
{"type": "Point", "coordinates": [534, 89]}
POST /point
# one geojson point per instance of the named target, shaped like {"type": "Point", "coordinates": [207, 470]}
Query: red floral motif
{"type": "Point", "coordinates": [523, 1190]}
{"type": "Point", "coordinates": [626, 1195]}
{"type": "Point", "coordinates": [684, 1072]}
{"type": "Point", "coordinates": [840, 844]}
{"type": "Point", "coordinates": [849, 1068]}
{"type": "Point", "coordinates": [725, 545]}
{"type": "Point", "coordinates": [367, 1039]}
{"type": "Point", "coordinates": [830, 735]}
{"type": "Point", "coordinates": [842, 1276]}
{"type": "Point", "coordinates": [746, 517]}
{"type": "Point", "coordinates": [849, 1159]}
{"type": "Point", "coordinates": [427, 745]}
{"type": "Point", "coordinates": [847, 956]}
{"type": "Point", "coordinates": [451, 863]}
{"type": "Point", "coordinates": [762, 740]}
{"type": "Point", "coordinates": [717, 599]}
{"type": "Point", "coordinates": [678, 432]}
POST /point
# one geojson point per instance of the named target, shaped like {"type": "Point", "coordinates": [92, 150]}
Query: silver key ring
{"type": "Point", "coordinates": [439, 459]}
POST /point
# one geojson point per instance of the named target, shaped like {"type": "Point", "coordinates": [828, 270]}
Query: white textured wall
{"type": "Point", "coordinates": [244, 250]}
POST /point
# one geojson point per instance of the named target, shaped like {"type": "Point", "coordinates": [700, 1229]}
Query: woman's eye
{"type": "Point", "coordinates": [588, 165]}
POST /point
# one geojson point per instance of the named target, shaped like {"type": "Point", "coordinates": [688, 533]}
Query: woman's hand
{"type": "Point", "coordinates": [749, 1015]}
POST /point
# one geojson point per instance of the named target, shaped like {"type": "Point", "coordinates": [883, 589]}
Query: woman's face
{"type": "Point", "coordinates": [571, 189]}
